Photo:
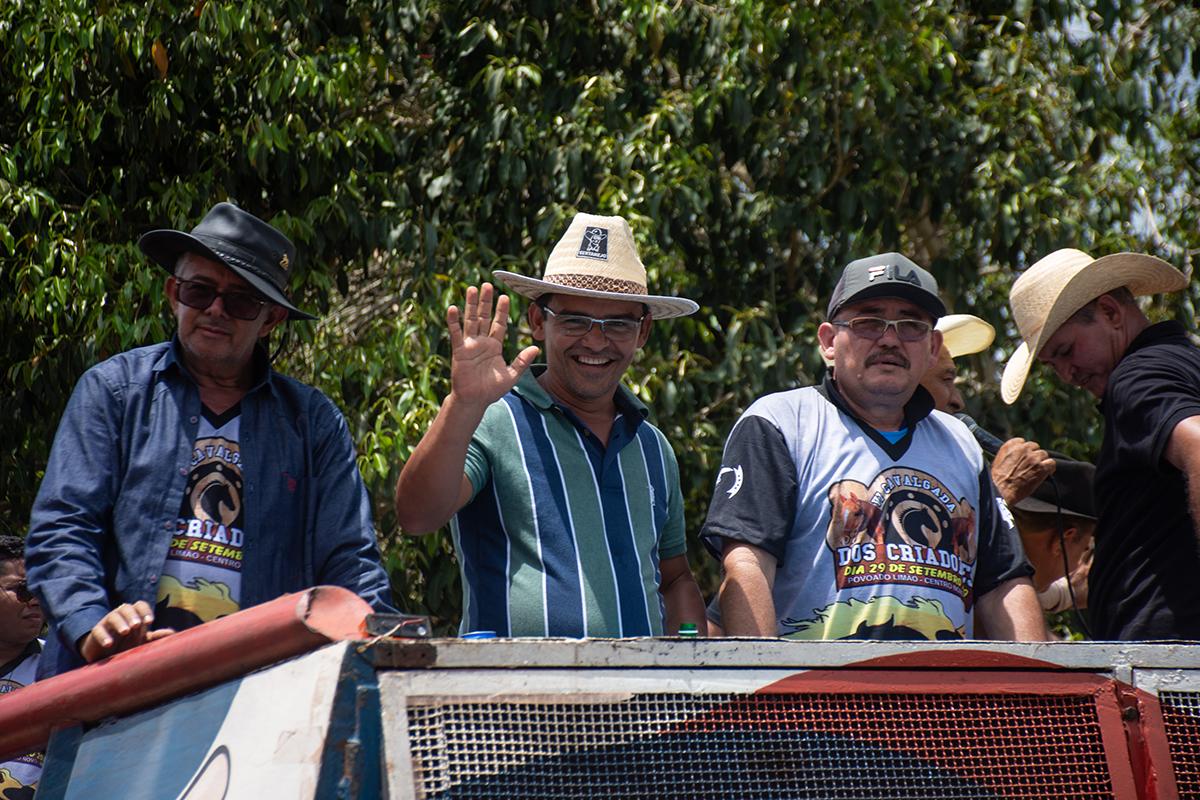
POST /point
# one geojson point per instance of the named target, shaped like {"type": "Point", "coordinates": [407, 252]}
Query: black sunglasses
{"type": "Point", "coordinates": [21, 590]}
{"type": "Point", "coordinates": [240, 305]}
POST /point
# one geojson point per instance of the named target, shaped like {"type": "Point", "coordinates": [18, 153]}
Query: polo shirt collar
{"type": "Point", "coordinates": [172, 358]}
{"type": "Point", "coordinates": [1155, 334]}
{"type": "Point", "coordinates": [1159, 332]}
{"type": "Point", "coordinates": [528, 389]}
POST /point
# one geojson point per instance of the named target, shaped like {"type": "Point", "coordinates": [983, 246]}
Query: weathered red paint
{"type": "Point", "coordinates": [180, 664]}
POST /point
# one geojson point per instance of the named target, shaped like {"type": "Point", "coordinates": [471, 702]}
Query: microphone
{"type": "Point", "coordinates": [987, 441]}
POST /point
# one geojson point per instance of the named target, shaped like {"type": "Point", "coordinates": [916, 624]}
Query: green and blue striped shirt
{"type": "Point", "coordinates": [563, 536]}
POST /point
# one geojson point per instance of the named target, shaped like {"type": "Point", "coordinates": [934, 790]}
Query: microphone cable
{"type": "Point", "coordinates": [1062, 545]}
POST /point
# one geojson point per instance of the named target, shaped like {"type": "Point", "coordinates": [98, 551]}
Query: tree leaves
{"type": "Point", "coordinates": [410, 148]}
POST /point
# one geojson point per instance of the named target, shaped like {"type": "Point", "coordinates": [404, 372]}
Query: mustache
{"type": "Point", "coordinates": [890, 354]}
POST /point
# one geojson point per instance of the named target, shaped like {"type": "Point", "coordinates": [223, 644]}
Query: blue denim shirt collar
{"type": "Point", "coordinates": [173, 359]}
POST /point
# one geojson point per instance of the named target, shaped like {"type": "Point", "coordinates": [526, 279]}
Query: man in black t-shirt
{"type": "Point", "coordinates": [1078, 315]}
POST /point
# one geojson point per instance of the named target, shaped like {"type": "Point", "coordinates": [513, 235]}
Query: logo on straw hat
{"type": "Point", "coordinates": [597, 258]}
{"type": "Point", "coordinates": [595, 243]}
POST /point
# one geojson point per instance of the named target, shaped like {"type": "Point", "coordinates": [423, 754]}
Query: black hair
{"type": "Point", "coordinates": [1121, 294]}
{"type": "Point", "coordinates": [12, 548]}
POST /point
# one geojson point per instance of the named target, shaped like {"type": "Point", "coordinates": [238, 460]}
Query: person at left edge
{"type": "Point", "coordinates": [20, 651]}
{"type": "Point", "coordinates": [567, 511]}
{"type": "Point", "coordinates": [188, 479]}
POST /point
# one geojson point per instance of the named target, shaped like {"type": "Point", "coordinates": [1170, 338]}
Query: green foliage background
{"type": "Point", "coordinates": [411, 147]}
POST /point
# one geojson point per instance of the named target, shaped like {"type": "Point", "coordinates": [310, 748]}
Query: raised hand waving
{"type": "Point", "coordinates": [479, 375]}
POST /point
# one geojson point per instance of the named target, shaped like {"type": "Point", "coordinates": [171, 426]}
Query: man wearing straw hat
{"type": "Point", "coordinates": [188, 479]}
{"type": "Point", "coordinates": [853, 509]}
{"type": "Point", "coordinates": [1018, 466]}
{"type": "Point", "coordinates": [566, 506]}
{"type": "Point", "coordinates": [1079, 316]}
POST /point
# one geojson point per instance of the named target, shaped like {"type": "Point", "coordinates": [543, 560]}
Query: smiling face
{"type": "Point", "coordinates": [880, 373]}
{"type": "Point", "coordinates": [584, 370]}
{"type": "Point", "coordinates": [20, 620]}
{"type": "Point", "coordinates": [939, 381]}
{"type": "Point", "coordinates": [213, 341]}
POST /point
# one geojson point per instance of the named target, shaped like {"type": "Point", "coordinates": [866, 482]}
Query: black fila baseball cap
{"type": "Point", "coordinates": [886, 275]}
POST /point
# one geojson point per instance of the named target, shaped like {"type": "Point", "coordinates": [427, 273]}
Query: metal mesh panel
{"type": "Point", "coordinates": [1181, 715]}
{"type": "Point", "coordinates": [828, 746]}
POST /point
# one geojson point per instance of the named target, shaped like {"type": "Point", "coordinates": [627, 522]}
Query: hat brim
{"type": "Point", "coordinates": [964, 334]}
{"type": "Point", "coordinates": [1141, 274]}
{"type": "Point", "coordinates": [165, 246]}
{"type": "Point", "coordinates": [1015, 373]}
{"type": "Point", "coordinates": [924, 299]}
{"type": "Point", "coordinates": [660, 307]}
{"type": "Point", "coordinates": [1036, 506]}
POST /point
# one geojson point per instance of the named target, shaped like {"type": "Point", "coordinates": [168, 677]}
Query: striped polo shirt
{"type": "Point", "coordinates": [563, 536]}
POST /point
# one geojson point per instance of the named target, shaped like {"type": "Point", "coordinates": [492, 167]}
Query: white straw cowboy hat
{"type": "Point", "coordinates": [596, 257]}
{"type": "Point", "coordinates": [1049, 292]}
{"type": "Point", "coordinates": [964, 334]}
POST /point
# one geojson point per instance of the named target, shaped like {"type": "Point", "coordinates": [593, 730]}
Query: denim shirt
{"type": "Point", "coordinates": [108, 504]}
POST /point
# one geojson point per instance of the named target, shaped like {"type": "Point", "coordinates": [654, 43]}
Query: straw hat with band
{"type": "Point", "coordinates": [241, 241]}
{"type": "Point", "coordinates": [964, 334]}
{"type": "Point", "coordinates": [1053, 289]}
{"type": "Point", "coordinates": [597, 258]}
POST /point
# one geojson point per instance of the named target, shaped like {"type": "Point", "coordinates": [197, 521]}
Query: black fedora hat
{"type": "Point", "coordinates": [1069, 489]}
{"type": "Point", "coordinates": [239, 240]}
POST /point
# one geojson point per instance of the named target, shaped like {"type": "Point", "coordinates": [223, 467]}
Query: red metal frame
{"type": "Point", "coordinates": [1130, 721]}
{"type": "Point", "coordinates": [180, 664]}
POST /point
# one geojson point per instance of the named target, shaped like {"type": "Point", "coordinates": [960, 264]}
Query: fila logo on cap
{"type": "Point", "coordinates": [595, 244]}
{"type": "Point", "coordinates": [892, 273]}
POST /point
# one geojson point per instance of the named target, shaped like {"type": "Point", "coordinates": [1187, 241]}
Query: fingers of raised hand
{"type": "Point", "coordinates": [471, 311]}
{"type": "Point", "coordinates": [524, 359]}
{"type": "Point", "coordinates": [500, 319]}
{"type": "Point", "coordinates": [453, 325]}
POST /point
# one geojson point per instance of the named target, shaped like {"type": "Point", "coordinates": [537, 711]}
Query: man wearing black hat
{"type": "Point", "coordinates": [854, 510]}
{"type": "Point", "coordinates": [1057, 523]}
{"type": "Point", "coordinates": [188, 479]}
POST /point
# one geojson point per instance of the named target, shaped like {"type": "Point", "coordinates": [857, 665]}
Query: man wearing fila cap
{"type": "Point", "coordinates": [188, 479]}
{"type": "Point", "coordinates": [1079, 316]}
{"type": "Point", "coordinates": [567, 512]}
{"type": "Point", "coordinates": [854, 510]}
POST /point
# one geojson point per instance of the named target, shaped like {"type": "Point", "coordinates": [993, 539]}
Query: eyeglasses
{"type": "Point", "coordinates": [616, 330]}
{"type": "Point", "coordinates": [21, 590]}
{"type": "Point", "coordinates": [240, 305]}
{"type": "Point", "coordinates": [909, 330]}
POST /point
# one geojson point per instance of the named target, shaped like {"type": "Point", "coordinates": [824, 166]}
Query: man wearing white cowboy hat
{"type": "Point", "coordinates": [854, 510]}
{"type": "Point", "coordinates": [567, 512]}
{"type": "Point", "coordinates": [1018, 466]}
{"type": "Point", "coordinates": [188, 479]}
{"type": "Point", "coordinates": [962, 335]}
{"type": "Point", "coordinates": [1079, 316]}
